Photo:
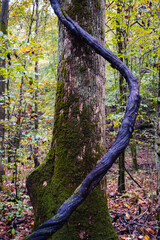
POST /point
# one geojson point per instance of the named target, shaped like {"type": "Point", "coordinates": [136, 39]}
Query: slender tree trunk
{"type": "Point", "coordinates": [3, 28]}
{"type": "Point", "coordinates": [31, 21]}
{"type": "Point", "coordinates": [132, 142]}
{"type": "Point", "coordinates": [8, 114]}
{"type": "Point", "coordinates": [9, 147]}
{"type": "Point", "coordinates": [35, 148]}
{"type": "Point", "coordinates": [121, 159]}
{"type": "Point", "coordinates": [15, 142]}
{"type": "Point", "coordinates": [132, 145]}
{"type": "Point", "coordinates": [157, 144]}
{"type": "Point", "coordinates": [121, 175]}
{"type": "Point", "coordinates": [79, 131]}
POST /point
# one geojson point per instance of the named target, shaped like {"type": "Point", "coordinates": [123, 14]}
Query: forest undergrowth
{"type": "Point", "coordinates": [133, 212]}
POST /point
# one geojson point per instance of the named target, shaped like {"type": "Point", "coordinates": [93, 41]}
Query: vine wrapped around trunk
{"type": "Point", "coordinates": [49, 227]}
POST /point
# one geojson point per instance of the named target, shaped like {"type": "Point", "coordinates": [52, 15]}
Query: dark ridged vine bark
{"type": "Point", "coordinates": [48, 228]}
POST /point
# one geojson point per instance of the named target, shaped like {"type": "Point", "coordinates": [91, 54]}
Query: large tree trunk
{"type": "Point", "coordinates": [79, 131]}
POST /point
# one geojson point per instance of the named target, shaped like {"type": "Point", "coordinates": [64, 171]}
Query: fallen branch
{"type": "Point", "coordinates": [134, 180]}
{"type": "Point", "coordinates": [131, 225]}
{"type": "Point", "coordinates": [49, 227]}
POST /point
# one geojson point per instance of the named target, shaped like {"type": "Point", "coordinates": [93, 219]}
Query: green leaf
{"type": "Point", "coordinates": [13, 231]}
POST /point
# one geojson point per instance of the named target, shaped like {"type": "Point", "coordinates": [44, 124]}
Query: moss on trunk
{"type": "Point", "coordinates": [78, 134]}
{"type": "Point", "coordinates": [39, 189]}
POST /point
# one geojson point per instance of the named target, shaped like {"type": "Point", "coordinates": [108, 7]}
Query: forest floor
{"type": "Point", "coordinates": [133, 212]}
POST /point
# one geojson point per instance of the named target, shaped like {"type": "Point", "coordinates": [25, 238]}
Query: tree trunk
{"type": "Point", "coordinates": [121, 174]}
{"type": "Point", "coordinates": [157, 143]}
{"type": "Point", "coordinates": [133, 149]}
{"type": "Point", "coordinates": [3, 28]}
{"type": "Point", "coordinates": [35, 148]}
{"type": "Point", "coordinates": [122, 91]}
{"type": "Point", "coordinates": [79, 131]}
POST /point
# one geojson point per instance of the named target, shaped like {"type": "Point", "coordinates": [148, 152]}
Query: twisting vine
{"type": "Point", "coordinates": [49, 227]}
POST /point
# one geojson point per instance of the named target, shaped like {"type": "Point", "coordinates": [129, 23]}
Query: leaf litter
{"type": "Point", "coordinates": [133, 212]}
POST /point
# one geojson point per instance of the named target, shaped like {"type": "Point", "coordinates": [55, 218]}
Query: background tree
{"type": "Point", "coordinates": [35, 149]}
{"type": "Point", "coordinates": [140, 40]}
{"type": "Point", "coordinates": [3, 30]}
{"type": "Point", "coordinates": [157, 142]}
{"type": "Point", "coordinates": [79, 131]}
{"type": "Point", "coordinates": [122, 89]}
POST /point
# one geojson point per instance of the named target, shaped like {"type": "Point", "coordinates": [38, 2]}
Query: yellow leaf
{"type": "Point", "coordinates": [127, 215]}
{"type": "Point", "coordinates": [146, 237]}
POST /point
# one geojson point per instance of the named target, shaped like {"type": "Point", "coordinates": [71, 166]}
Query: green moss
{"type": "Point", "coordinates": [79, 11]}
{"type": "Point", "coordinates": [91, 218]}
{"type": "Point", "coordinates": [98, 4]}
{"type": "Point", "coordinates": [3, 27]}
{"type": "Point", "coordinates": [90, 31]}
{"type": "Point", "coordinates": [64, 72]}
{"type": "Point", "coordinates": [102, 31]}
{"type": "Point", "coordinates": [38, 184]}
{"type": "Point", "coordinates": [82, 68]}
{"type": "Point", "coordinates": [72, 136]}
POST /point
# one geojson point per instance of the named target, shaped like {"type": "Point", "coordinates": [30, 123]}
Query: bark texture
{"type": "Point", "coordinates": [79, 131]}
{"type": "Point", "coordinates": [3, 28]}
{"type": "Point", "coordinates": [122, 93]}
{"type": "Point", "coordinates": [157, 142]}
{"type": "Point", "coordinates": [48, 228]}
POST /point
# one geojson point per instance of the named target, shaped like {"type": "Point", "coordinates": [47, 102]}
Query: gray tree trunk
{"type": "Point", "coordinates": [3, 28]}
{"type": "Point", "coordinates": [35, 148]}
{"type": "Point", "coordinates": [79, 131]}
{"type": "Point", "coordinates": [157, 142]}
